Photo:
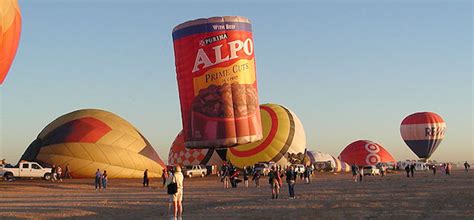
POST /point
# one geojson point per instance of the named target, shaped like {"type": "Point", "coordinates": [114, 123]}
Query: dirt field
{"type": "Point", "coordinates": [329, 196]}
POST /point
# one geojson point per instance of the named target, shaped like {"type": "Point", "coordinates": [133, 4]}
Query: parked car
{"type": "Point", "coordinates": [26, 170]}
{"type": "Point", "coordinates": [371, 170]}
{"type": "Point", "coordinates": [194, 170]}
{"type": "Point", "coordinates": [299, 168]}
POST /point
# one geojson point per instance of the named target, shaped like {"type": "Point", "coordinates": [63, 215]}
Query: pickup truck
{"type": "Point", "coordinates": [26, 169]}
{"type": "Point", "coordinates": [194, 170]}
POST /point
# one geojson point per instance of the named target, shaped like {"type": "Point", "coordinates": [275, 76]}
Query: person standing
{"type": "Point", "coordinates": [291, 180]}
{"type": "Point", "coordinates": [412, 169]}
{"type": "Point", "coordinates": [53, 173]}
{"type": "Point", "coordinates": [306, 175]}
{"type": "Point", "coordinates": [274, 181]}
{"type": "Point", "coordinates": [354, 172]}
{"type": "Point", "coordinates": [104, 180]}
{"type": "Point", "coordinates": [234, 177]}
{"type": "Point", "coordinates": [256, 178]}
{"type": "Point", "coordinates": [466, 166]}
{"type": "Point", "coordinates": [146, 180]}
{"type": "Point", "coordinates": [170, 179]}
{"type": "Point", "coordinates": [407, 169]}
{"type": "Point", "coordinates": [98, 175]}
{"type": "Point", "coordinates": [164, 176]}
{"type": "Point", "coordinates": [67, 172]}
{"type": "Point", "coordinates": [448, 168]}
{"type": "Point", "coordinates": [59, 171]}
{"type": "Point", "coordinates": [226, 175]}
{"type": "Point", "coordinates": [178, 196]}
{"type": "Point", "coordinates": [434, 169]}
{"type": "Point", "coordinates": [246, 177]}
{"type": "Point", "coordinates": [382, 170]}
{"type": "Point", "coordinates": [361, 174]}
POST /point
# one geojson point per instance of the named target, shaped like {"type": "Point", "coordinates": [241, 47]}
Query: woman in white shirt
{"type": "Point", "coordinates": [177, 198]}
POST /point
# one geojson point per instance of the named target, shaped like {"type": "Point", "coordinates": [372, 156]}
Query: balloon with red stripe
{"type": "Point", "coordinates": [365, 152]}
{"type": "Point", "coordinates": [284, 140]}
{"type": "Point", "coordinates": [423, 132]}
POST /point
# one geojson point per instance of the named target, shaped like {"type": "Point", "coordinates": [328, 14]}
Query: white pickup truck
{"type": "Point", "coordinates": [194, 170]}
{"type": "Point", "coordinates": [27, 170]}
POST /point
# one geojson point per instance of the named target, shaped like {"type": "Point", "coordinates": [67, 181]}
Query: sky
{"type": "Point", "coordinates": [349, 70]}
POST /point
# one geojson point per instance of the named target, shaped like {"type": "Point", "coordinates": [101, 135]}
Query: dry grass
{"type": "Point", "coordinates": [327, 197]}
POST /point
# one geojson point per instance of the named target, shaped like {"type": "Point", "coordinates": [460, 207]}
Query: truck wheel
{"type": "Point", "coordinates": [9, 176]}
{"type": "Point", "coordinates": [47, 176]}
{"type": "Point", "coordinates": [202, 175]}
{"type": "Point", "coordinates": [190, 175]}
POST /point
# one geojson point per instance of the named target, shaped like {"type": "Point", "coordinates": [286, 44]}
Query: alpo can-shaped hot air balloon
{"type": "Point", "coordinates": [364, 152]}
{"type": "Point", "coordinates": [215, 67]}
{"type": "Point", "coordinates": [179, 155]}
{"type": "Point", "coordinates": [284, 140]}
{"type": "Point", "coordinates": [10, 28]}
{"type": "Point", "coordinates": [91, 139]}
{"type": "Point", "coordinates": [423, 132]}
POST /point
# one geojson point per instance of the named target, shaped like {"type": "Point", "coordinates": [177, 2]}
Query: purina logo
{"type": "Point", "coordinates": [213, 39]}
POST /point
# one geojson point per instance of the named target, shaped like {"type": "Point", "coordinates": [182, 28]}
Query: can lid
{"type": "Point", "coordinates": [211, 20]}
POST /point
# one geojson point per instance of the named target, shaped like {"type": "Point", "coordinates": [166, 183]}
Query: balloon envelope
{"type": "Point", "coordinates": [10, 28]}
{"type": "Point", "coordinates": [337, 164]}
{"type": "Point", "coordinates": [215, 67]}
{"type": "Point", "coordinates": [364, 152]}
{"type": "Point", "coordinates": [283, 142]}
{"type": "Point", "coordinates": [92, 139]}
{"type": "Point", "coordinates": [179, 155]}
{"type": "Point", "coordinates": [423, 132]}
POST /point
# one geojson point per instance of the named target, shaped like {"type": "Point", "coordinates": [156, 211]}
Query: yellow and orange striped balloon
{"type": "Point", "coordinates": [283, 137]}
{"type": "Point", "coordinates": [10, 28]}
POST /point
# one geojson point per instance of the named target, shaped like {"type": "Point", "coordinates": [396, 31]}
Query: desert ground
{"type": "Point", "coordinates": [328, 196]}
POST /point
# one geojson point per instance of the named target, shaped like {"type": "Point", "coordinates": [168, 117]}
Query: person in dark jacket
{"type": "Point", "coordinates": [256, 178]}
{"type": "Point", "coordinates": [98, 179]}
{"type": "Point", "coordinates": [407, 169]}
{"type": "Point", "coordinates": [234, 178]}
{"type": "Point", "coordinates": [291, 180]}
{"type": "Point", "coordinates": [146, 180]}
{"type": "Point", "coordinates": [354, 170]}
{"type": "Point", "coordinates": [274, 180]}
{"type": "Point", "coordinates": [412, 169]}
{"type": "Point", "coordinates": [246, 176]}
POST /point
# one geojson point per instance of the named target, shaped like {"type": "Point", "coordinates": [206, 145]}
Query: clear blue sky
{"type": "Point", "coordinates": [348, 70]}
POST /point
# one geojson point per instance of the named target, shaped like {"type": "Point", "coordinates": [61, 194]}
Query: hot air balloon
{"type": "Point", "coordinates": [337, 165]}
{"type": "Point", "coordinates": [92, 139]}
{"type": "Point", "coordinates": [179, 155]}
{"type": "Point", "coordinates": [284, 140]}
{"type": "Point", "coordinates": [423, 132]}
{"type": "Point", "coordinates": [10, 28]}
{"type": "Point", "coordinates": [215, 67]}
{"type": "Point", "coordinates": [364, 152]}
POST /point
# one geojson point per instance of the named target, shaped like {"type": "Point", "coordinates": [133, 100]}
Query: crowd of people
{"type": "Point", "coordinates": [229, 176]}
